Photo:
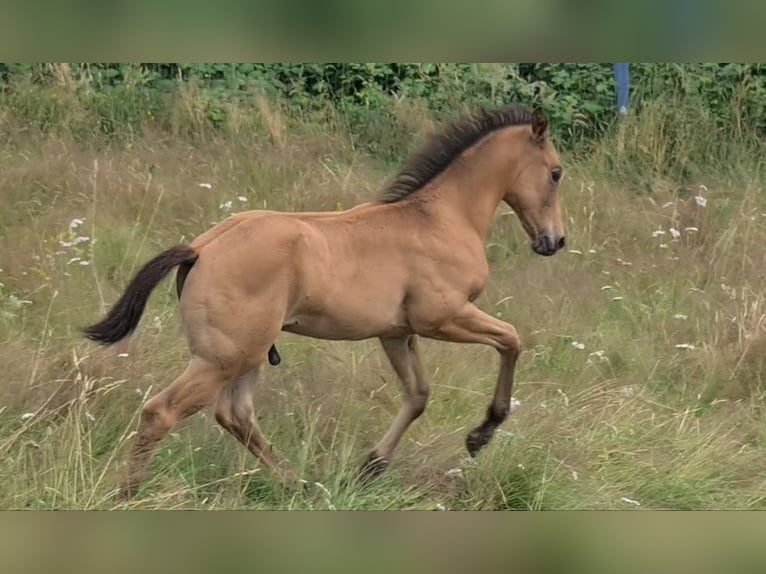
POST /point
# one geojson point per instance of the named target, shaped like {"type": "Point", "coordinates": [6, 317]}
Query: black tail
{"type": "Point", "coordinates": [123, 318]}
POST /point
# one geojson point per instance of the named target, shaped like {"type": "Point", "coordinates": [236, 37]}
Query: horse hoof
{"type": "Point", "coordinates": [126, 493]}
{"type": "Point", "coordinates": [373, 467]}
{"type": "Point", "coordinates": [475, 441]}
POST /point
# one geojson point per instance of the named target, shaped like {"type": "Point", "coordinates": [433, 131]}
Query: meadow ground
{"type": "Point", "coordinates": [640, 385]}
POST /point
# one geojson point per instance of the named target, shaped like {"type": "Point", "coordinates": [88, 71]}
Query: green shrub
{"type": "Point", "coordinates": [579, 98]}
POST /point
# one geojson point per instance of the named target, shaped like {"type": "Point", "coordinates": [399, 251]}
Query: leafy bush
{"type": "Point", "coordinates": [578, 97]}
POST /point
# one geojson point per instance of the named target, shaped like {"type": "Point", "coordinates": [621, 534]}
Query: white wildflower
{"type": "Point", "coordinates": [623, 262]}
{"type": "Point", "coordinates": [84, 262]}
{"type": "Point", "coordinates": [14, 303]}
{"type": "Point", "coordinates": [607, 288]}
{"type": "Point", "coordinates": [440, 506]}
{"type": "Point", "coordinates": [575, 251]}
{"type": "Point", "coordinates": [730, 291]}
{"type": "Point", "coordinates": [690, 229]}
{"type": "Point", "coordinates": [578, 345]}
{"type": "Point", "coordinates": [668, 204]}
{"type": "Point", "coordinates": [575, 476]}
{"type": "Point", "coordinates": [680, 317]}
{"type": "Point", "coordinates": [701, 201]}
{"type": "Point", "coordinates": [600, 355]}
{"type": "Point", "coordinates": [685, 346]}
{"type": "Point", "coordinates": [225, 206]}
{"type": "Point", "coordinates": [627, 392]}
{"type": "Point", "coordinates": [675, 233]}
{"type": "Point", "coordinates": [206, 185]}
{"type": "Point", "coordinates": [123, 355]}
{"type": "Point", "coordinates": [618, 298]}
{"type": "Point", "coordinates": [72, 260]}
{"type": "Point", "coordinates": [663, 245]}
{"type": "Point", "coordinates": [658, 233]}
{"type": "Point", "coordinates": [76, 222]}
{"type": "Point", "coordinates": [242, 198]}
{"type": "Point", "coordinates": [26, 416]}
{"type": "Point", "coordinates": [515, 403]}
{"type": "Point", "coordinates": [80, 239]}
{"type": "Point", "coordinates": [591, 250]}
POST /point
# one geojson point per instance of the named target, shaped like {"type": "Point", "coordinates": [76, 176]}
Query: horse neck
{"type": "Point", "coordinates": [471, 192]}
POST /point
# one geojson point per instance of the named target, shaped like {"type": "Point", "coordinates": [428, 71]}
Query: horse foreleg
{"type": "Point", "coordinates": [405, 359]}
{"type": "Point", "coordinates": [471, 325]}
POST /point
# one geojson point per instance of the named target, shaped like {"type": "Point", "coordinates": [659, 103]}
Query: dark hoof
{"type": "Point", "coordinates": [126, 493]}
{"type": "Point", "coordinates": [372, 468]}
{"type": "Point", "coordinates": [475, 440]}
{"type": "Point", "coordinates": [274, 358]}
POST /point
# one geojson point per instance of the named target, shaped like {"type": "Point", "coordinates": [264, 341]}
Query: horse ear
{"type": "Point", "coordinates": [539, 124]}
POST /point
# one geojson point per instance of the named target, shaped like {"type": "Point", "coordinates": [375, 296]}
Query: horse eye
{"type": "Point", "coordinates": [556, 174]}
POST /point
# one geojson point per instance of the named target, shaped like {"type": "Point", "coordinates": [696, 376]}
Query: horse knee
{"type": "Point", "coordinates": [419, 400]}
{"type": "Point", "coordinates": [510, 342]}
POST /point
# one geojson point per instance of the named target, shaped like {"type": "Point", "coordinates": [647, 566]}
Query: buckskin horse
{"type": "Point", "coordinates": [409, 264]}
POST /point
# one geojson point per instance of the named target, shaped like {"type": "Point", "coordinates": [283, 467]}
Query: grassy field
{"type": "Point", "coordinates": [640, 385]}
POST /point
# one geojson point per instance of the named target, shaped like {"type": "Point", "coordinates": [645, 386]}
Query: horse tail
{"type": "Point", "coordinates": [124, 316]}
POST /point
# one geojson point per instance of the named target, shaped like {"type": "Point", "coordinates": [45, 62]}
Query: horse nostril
{"type": "Point", "coordinates": [562, 242]}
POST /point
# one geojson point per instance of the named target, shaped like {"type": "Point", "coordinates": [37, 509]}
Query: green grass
{"type": "Point", "coordinates": [642, 373]}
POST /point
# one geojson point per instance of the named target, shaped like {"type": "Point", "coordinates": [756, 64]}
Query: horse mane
{"type": "Point", "coordinates": [442, 148]}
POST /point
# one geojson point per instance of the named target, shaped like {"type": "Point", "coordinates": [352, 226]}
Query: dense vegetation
{"type": "Point", "coordinates": [578, 97]}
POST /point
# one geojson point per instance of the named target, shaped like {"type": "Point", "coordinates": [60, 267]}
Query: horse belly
{"type": "Point", "coordinates": [345, 321]}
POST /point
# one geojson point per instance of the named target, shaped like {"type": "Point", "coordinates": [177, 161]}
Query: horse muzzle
{"type": "Point", "coordinates": [547, 245]}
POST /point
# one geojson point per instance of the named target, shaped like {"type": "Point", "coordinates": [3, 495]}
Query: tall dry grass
{"type": "Point", "coordinates": [641, 383]}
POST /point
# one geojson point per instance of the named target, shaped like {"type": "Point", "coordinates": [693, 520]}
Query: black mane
{"type": "Point", "coordinates": [443, 148]}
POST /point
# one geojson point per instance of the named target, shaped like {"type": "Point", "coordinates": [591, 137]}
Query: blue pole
{"type": "Point", "coordinates": [622, 78]}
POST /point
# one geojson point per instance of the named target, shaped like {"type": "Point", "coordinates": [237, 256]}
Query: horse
{"type": "Point", "coordinates": [408, 264]}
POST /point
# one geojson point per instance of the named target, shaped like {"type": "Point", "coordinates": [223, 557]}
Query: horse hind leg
{"type": "Point", "coordinates": [183, 271]}
{"type": "Point", "coordinates": [234, 412]}
{"type": "Point", "coordinates": [195, 389]}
